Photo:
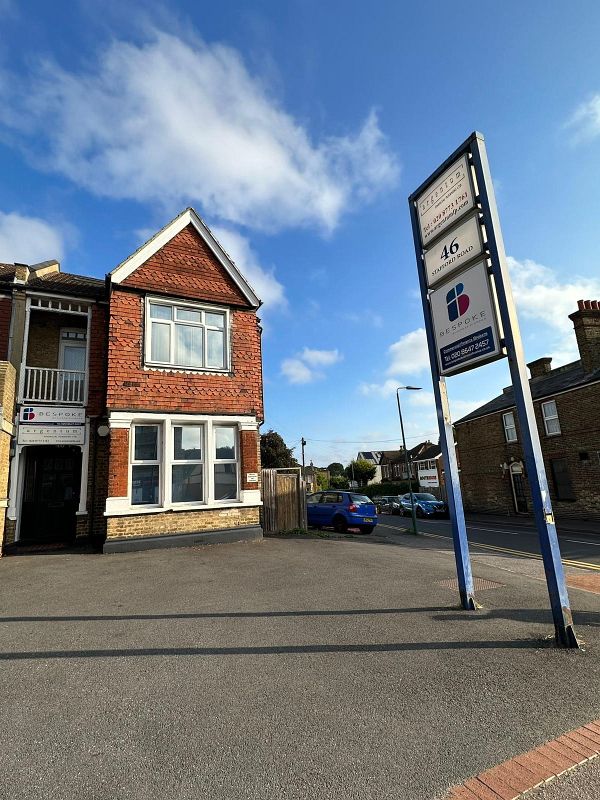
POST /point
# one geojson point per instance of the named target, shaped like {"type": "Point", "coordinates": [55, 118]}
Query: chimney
{"type": "Point", "coordinates": [586, 322]}
{"type": "Point", "coordinates": [540, 367]}
{"type": "Point", "coordinates": [21, 273]}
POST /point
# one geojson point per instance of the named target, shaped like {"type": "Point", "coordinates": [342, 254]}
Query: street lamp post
{"type": "Point", "coordinates": [412, 499]}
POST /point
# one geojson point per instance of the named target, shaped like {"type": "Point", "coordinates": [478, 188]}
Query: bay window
{"type": "Point", "coordinates": [185, 335]}
{"type": "Point", "coordinates": [177, 463]}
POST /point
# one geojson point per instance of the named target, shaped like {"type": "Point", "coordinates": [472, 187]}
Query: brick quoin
{"type": "Point", "coordinates": [5, 314]}
{"type": "Point", "coordinates": [97, 361]}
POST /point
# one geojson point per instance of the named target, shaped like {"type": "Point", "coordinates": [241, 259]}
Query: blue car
{"type": "Point", "coordinates": [426, 505]}
{"type": "Point", "coordinates": [340, 511]}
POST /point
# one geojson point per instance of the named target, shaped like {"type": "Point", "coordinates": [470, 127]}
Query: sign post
{"type": "Point", "coordinates": [470, 320]}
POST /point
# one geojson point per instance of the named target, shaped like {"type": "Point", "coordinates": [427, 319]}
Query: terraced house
{"type": "Point", "coordinates": [131, 406]}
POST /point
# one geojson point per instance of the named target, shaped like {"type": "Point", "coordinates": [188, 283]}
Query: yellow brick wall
{"type": "Point", "coordinates": [175, 522]}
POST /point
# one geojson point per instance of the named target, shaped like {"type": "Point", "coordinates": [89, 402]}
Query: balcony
{"type": "Point", "coordinates": [46, 385]}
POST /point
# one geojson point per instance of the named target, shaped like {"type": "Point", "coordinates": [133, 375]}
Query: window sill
{"type": "Point", "coordinates": [185, 370]}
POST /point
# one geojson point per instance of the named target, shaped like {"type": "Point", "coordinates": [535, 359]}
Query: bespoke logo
{"type": "Point", "coordinates": [28, 414]}
{"type": "Point", "coordinates": [457, 302]}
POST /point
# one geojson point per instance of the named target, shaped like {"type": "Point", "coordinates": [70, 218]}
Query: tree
{"type": "Point", "coordinates": [274, 452]}
{"type": "Point", "coordinates": [336, 468]}
{"type": "Point", "coordinates": [361, 470]}
{"type": "Point", "coordinates": [322, 481]}
{"type": "Point", "coordinates": [338, 482]}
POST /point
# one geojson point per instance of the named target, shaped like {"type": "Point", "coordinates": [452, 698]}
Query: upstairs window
{"type": "Point", "coordinates": [510, 429]}
{"type": "Point", "coordinates": [550, 414]}
{"type": "Point", "coordinates": [185, 335]}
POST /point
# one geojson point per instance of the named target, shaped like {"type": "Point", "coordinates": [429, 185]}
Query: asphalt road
{"type": "Point", "coordinates": [578, 548]}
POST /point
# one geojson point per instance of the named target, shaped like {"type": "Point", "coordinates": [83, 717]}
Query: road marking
{"type": "Point", "coordinates": [520, 553]}
{"type": "Point", "coordinates": [578, 541]}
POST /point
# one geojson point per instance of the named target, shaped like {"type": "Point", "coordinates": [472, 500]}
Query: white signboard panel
{"type": "Point", "coordinates": [446, 200]}
{"type": "Point", "coordinates": [452, 251]}
{"type": "Point", "coordinates": [51, 434]}
{"type": "Point", "coordinates": [37, 415]}
{"type": "Point", "coordinates": [428, 478]}
{"type": "Point", "coordinates": [252, 477]}
{"type": "Point", "coordinates": [465, 323]}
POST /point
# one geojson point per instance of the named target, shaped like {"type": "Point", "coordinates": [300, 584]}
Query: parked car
{"type": "Point", "coordinates": [340, 511]}
{"type": "Point", "coordinates": [390, 504]}
{"type": "Point", "coordinates": [426, 505]}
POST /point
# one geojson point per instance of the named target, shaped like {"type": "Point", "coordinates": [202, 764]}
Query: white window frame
{"type": "Point", "coordinates": [159, 461]}
{"type": "Point", "coordinates": [547, 417]}
{"type": "Point", "coordinates": [174, 462]}
{"type": "Point", "coordinates": [512, 426]}
{"type": "Point", "coordinates": [203, 309]}
{"type": "Point", "coordinates": [235, 460]}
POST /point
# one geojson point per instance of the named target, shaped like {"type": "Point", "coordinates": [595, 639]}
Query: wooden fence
{"type": "Point", "coordinates": [284, 500]}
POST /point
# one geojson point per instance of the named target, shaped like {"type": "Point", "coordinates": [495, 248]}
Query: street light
{"type": "Point", "coordinates": [412, 499]}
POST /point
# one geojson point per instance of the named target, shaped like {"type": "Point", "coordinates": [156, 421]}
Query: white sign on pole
{"type": "Point", "coordinates": [465, 324]}
{"type": "Point", "coordinates": [453, 250]}
{"type": "Point", "coordinates": [51, 434]}
{"type": "Point", "coordinates": [52, 415]}
{"type": "Point", "coordinates": [428, 478]}
{"type": "Point", "coordinates": [446, 200]}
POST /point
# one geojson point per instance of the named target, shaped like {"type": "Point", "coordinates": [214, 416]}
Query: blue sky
{"type": "Point", "coordinates": [298, 130]}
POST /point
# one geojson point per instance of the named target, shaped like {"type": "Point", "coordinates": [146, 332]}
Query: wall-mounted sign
{"type": "Point", "coordinates": [465, 324]}
{"type": "Point", "coordinates": [51, 434]}
{"type": "Point", "coordinates": [446, 200]}
{"type": "Point", "coordinates": [252, 477]}
{"type": "Point", "coordinates": [52, 415]}
{"type": "Point", "coordinates": [452, 251]}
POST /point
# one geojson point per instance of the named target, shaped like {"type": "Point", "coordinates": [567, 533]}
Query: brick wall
{"type": "Point", "coordinates": [174, 522]}
{"type": "Point", "coordinates": [483, 449]}
{"type": "Point", "coordinates": [5, 314]}
{"type": "Point", "coordinates": [98, 361]}
{"type": "Point", "coordinates": [131, 386]}
{"type": "Point", "coordinates": [250, 457]}
{"type": "Point", "coordinates": [186, 267]}
{"type": "Point", "coordinates": [118, 467]}
{"type": "Point", "coordinates": [7, 400]}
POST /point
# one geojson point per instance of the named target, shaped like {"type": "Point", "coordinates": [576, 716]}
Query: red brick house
{"type": "Point", "coordinates": [137, 399]}
{"type": "Point", "coordinates": [567, 408]}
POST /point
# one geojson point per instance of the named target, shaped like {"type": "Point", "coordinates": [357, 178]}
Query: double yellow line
{"type": "Point", "coordinates": [520, 553]}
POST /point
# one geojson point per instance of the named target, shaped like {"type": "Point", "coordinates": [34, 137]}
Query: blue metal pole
{"type": "Point", "coordinates": [455, 506]}
{"type": "Point", "coordinates": [536, 473]}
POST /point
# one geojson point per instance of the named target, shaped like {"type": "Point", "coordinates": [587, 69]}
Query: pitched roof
{"type": "Point", "coordinates": [55, 282]}
{"type": "Point", "coordinates": [171, 229]}
{"type": "Point", "coordinates": [558, 380]}
{"type": "Point", "coordinates": [430, 452]}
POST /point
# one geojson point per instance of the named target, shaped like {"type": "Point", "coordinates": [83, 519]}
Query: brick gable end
{"type": "Point", "coordinates": [187, 267]}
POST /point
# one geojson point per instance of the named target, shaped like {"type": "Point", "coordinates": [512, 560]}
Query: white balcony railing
{"type": "Point", "coordinates": [45, 385]}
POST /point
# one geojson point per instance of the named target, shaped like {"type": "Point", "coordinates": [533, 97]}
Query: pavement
{"type": "Point", "coordinates": [307, 668]}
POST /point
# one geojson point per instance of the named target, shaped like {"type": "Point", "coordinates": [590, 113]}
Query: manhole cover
{"type": "Point", "coordinates": [478, 584]}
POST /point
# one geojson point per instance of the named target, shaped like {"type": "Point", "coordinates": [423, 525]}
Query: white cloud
{"type": "Point", "coordinates": [307, 365]}
{"type": "Point", "coordinates": [320, 358]}
{"type": "Point", "coordinates": [296, 371]}
{"type": "Point", "coordinates": [585, 121]}
{"type": "Point", "coordinates": [385, 389]}
{"type": "Point", "coordinates": [542, 297]}
{"type": "Point", "coordinates": [263, 281]}
{"type": "Point", "coordinates": [28, 240]}
{"type": "Point", "coordinates": [176, 121]}
{"type": "Point", "coordinates": [409, 355]}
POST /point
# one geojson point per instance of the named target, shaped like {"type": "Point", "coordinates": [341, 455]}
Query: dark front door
{"type": "Point", "coordinates": [519, 491]}
{"type": "Point", "coordinates": [50, 494]}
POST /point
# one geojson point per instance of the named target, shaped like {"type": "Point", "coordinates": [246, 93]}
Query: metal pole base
{"type": "Point", "coordinates": [564, 636]}
{"type": "Point", "coordinates": [467, 601]}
